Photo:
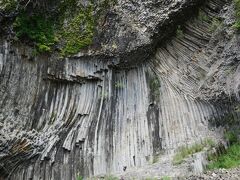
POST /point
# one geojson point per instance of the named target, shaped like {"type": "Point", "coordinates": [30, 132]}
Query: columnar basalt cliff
{"type": "Point", "coordinates": [158, 75]}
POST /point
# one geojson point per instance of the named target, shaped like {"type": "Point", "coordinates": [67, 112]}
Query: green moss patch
{"type": "Point", "coordinates": [237, 7]}
{"type": "Point", "coordinates": [186, 151]}
{"type": "Point", "coordinates": [216, 23]}
{"type": "Point", "coordinates": [229, 158]}
{"type": "Point", "coordinates": [67, 25]}
{"type": "Point", "coordinates": [78, 33]}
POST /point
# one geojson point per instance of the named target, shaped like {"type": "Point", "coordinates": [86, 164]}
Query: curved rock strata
{"type": "Point", "coordinates": [86, 116]}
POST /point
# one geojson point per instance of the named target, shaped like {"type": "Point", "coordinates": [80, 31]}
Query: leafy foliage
{"type": "Point", "coordinates": [79, 177]}
{"type": "Point", "coordinates": [36, 29]}
{"type": "Point", "coordinates": [237, 6]}
{"type": "Point", "coordinates": [231, 137]}
{"type": "Point", "coordinates": [70, 26]}
{"type": "Point", "coordinates": [230, 159]}
{"type": "Point", "coordinates": [8, 5]}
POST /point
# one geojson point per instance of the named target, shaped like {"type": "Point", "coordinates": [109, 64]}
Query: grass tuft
{"type": "Point", "coordinates": [110, 177]}
{"type": "Point", "coordinates": [229, 159]}
{"type": "Point", "coordinates": [166, 178]}
{"type": "Point", "coordinates": [186, 151]}
{"type": "Point", "coordinates": [79, 178]}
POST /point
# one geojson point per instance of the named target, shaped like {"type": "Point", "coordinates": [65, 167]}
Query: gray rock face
{"type": "Point", "coordinates": [132, 29]}
{"type": "Point", "coordinates": [88, 116]}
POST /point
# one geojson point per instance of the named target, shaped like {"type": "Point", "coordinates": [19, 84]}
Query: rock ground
{"type": "Point", "coordinates": [219, 174]}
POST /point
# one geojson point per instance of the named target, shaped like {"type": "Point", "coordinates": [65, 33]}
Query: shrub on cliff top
{"type": "Point", "coordinates": [36, 29]}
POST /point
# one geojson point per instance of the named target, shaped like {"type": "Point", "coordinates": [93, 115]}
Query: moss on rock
{"type": "Point", "coordinates": [70, 26]}
{"type": "Point", "coordinates": [237, 6]}
{"type": "Point", "coordinates": [78, 33]}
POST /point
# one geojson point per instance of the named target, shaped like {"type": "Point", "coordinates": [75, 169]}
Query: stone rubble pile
{"type": "Point", "coordinates": [219, 174]}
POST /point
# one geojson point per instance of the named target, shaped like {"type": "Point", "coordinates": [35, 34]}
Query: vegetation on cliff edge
{"type": "Point", "coordinates": [186, 151]}
{"type": "Point", "coordinates": [230, 158]}
{"type": "Point", "coordinates": [237, 6]}
{"type": "Point", "coordinates": [66, 26]}
{"type": "Point", "coordinates": [37, 29]}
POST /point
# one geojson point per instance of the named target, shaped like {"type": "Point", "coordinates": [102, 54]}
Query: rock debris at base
{"type": "Point", "coordinates": [219, 174]}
